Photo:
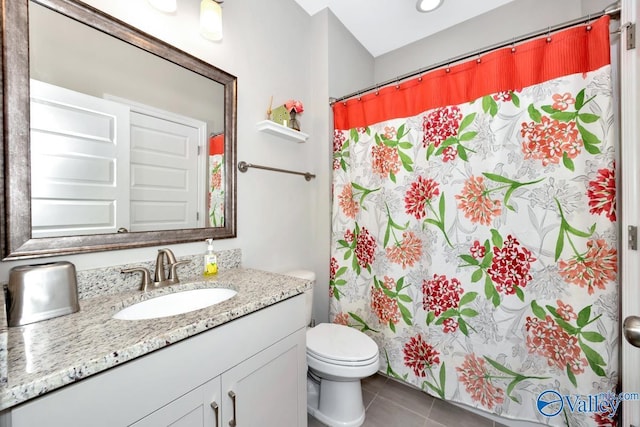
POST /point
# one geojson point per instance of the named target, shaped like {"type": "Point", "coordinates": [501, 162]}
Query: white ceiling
{"type": "Point", "coordinates": [384, 25]}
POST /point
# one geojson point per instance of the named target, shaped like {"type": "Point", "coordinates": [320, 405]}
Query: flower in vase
{"type": "Point", "coordinates": [294, 106]}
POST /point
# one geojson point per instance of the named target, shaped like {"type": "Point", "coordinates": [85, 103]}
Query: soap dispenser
{"type": "Point", "coordinates": [210, 260]}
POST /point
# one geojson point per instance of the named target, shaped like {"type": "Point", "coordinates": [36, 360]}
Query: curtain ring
{"type": "Point", "coordinates": [397, 82]}
{"type": "Point", "coordinates": [420, 76]}
{"type": "Point", "coordinates": [513, 46]}
{"type": "Point", "coordinates": [548, 34]}
{"type": "Point", "coordinates": [448, 69]}
{"type": "Point", "coordinates": [377, 91]}
{"type": "Point", "coordinates": [589, 23]}
{"type": "Point", "coordinates": [478, 60]}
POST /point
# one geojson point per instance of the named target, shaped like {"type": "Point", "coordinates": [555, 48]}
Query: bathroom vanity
{"type": "Point", "coordinates": [241, 362]}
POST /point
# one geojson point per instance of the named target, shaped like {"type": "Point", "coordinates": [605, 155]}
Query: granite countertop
{"type": "Point", "coordinates": [44, 356]}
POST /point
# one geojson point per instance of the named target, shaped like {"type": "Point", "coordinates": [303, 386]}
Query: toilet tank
{"type": "Point", "coordinates": [307, 275]}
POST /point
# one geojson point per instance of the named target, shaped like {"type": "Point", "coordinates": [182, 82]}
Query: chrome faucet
{"type": "Point", "coordinates": [165, 258]}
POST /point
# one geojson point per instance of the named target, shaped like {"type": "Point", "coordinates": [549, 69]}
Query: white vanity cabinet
{"type": "Point", "coordinates": [251, 370]}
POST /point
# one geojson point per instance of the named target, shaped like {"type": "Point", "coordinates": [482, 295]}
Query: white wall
{"type": "Point", "coordinates": [339, 64]}
{"type": "Point", "coordinates": [266, 45]}
{"type": "Point", "coordinates": [512, 20]}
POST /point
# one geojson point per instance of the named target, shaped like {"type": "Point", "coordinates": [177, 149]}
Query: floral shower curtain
{"type": "Point", "coordinates": [474, 232]}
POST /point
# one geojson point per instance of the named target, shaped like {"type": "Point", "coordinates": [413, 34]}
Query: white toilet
{"type": "Point", "coordinates": [338, 357]}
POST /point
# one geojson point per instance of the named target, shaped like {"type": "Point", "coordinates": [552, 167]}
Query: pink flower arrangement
{"type": "Point", "coordinates": [294, 106]}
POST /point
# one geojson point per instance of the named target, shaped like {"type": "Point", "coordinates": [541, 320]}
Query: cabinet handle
{"type": "Point", "coordinates": [232, 421]}
{"type": "Point", "coordinates": [214, 406]}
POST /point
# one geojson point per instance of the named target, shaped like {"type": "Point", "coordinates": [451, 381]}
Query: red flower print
{"type": "Point", "coordinates": [549, 140]}
{"type": "Point", "coordinates": [385, 307]}
{"type": "Point", "coordinates": [349, 206]}
{"type": "Point", "coordinates": [338, 142]}
{"type": "Point", "coordinates": [565, 311]}
{"type": "Point", "coordinates": [420, 355]}
{"type": "Point", "coordinates": [592, 270]}
{"type": "Point", "coordinates": [349, 236]}
{"type": "Point", "coordinates": [547, 339]}
{"type": "Point", "coordinates": [510, 266]}
{"type": "Point", "coordinates": [477, 250]}
{"type": "Point", "coordinates": [365, 248]}
{"type": "Point", "coordinates": [440, 124]}
{"type": "Point", "coordinates": [421, 191]}
{"type": "Point", "coordinates": [441, 294]}
{"type": "Point", "coordinates": [450, 325]}
{"type": "Point", "coordinates": [602, 419]}
{"type": "Point", "coordinates": [384, 160]}
{"type": "Point", "coordinates": [562, 101]}
{"type": "Point", "coordinates": [407, 252]}
{"type": "Point", "coordinates": [449, 154]}
{"type": "Point", "coordinates": [475, 202]}
{"type": "Point", "coordinates": [333, 268]}
{"type": "Point", "coordinates": [602, 194]}
{"type": "Point", "coordinates": [389, 132]}
{"type": "Point", "coordinates": [503, 96]}
{"type": "Point", "coordinates": [474, 374]}
{"type": "Point", "coordinates": [341, 319]}
{"type": "Point", "coordinates": [216, 177]}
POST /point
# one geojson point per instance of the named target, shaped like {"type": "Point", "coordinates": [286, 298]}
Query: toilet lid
{"type": "Point", "coordinates": [340, 343]}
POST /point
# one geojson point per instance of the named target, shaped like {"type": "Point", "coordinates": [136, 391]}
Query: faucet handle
{"type": "Point", "coordinates": [146, 276]}
{"type": "Point", "coordinates": [173, 270]}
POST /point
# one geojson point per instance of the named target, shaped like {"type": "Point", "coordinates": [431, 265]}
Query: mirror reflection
{"type": "Point", "coordinates": [139, 152]}
{"type": "Point", "coordinates": [122, 140]}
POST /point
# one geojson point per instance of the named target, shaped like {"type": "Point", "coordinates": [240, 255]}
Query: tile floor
{"type": "Point", "coordinates": [399, 405]}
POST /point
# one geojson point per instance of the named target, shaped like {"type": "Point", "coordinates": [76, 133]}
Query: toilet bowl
{"type": "Point", "coordinates": [338, 357]}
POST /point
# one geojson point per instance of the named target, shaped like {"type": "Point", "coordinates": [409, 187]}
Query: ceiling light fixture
{"type": "Point", "coordinates": [211, 19]}
{"type": "Point", "coordinates": [428, 5]}
{"type": "Point", "coordinates": [166, 6]}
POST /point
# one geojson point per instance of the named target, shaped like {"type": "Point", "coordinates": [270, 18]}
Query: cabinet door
{"type": "Point", "coordinates": [198, 408]}
{"type": "Point", "coordinates": [268, 389]}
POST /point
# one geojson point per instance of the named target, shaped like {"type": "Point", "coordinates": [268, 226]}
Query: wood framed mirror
{"type": "Point", "coordinates": [26, 210]}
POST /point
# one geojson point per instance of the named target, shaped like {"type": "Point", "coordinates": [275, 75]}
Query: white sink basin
{"type": "Point", "coordinates": [176, 303]}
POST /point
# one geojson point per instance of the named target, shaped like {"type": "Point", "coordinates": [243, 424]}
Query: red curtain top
{"type": "Point", "coordinates": [216, 144]}
{"type": "Point", "coordinates": [571, 51]}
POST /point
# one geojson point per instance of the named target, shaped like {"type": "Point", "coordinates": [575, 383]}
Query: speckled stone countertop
{"type": "Point", "coordinates": [47, 355]}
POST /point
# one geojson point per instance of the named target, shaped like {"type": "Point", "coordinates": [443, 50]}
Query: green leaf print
{"type": "Point", "coordinates": [438, 384]}
{"type": "Point", "coordinates": [571, 376]}
{"type": "Point", "coordinates": [566, 231]}
{"type": "Point", "coordinates": [489, 105]}
{"type": "Point", "coordinates": [517, 378]}
{"type": "Point", "coordinates": [510, 186]}
{"type": "Point", "coordinates": [567, 162]}
{"type": "Point", "coordinates": [535, 115]}
{"type": "Point", "coordinates": [514, 98]}
{"type": "Point", "coordinates": [537, 310]}
{"type": "Point", "coordinates": [362, 324]}
{"type": "Point", "coordinates": [336, 283]}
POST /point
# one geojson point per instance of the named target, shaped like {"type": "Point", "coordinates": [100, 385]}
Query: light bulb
{"type": "Point", "coordinates": [211, 20]}
{"type": "Point", "coordinates": [428, 5]}
{"type": "Point", "coordinates": [167, 6]}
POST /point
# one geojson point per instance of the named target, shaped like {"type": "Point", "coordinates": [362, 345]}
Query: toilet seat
{"type": "Point", "coordinates": [340, 345]}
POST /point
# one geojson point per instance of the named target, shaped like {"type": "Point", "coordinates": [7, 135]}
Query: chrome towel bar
{"type": "Point", "coordinates": [243, 166]}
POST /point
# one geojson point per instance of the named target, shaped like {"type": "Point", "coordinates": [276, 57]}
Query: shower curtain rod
{"type": "Point", "coordinates": [612, 10]}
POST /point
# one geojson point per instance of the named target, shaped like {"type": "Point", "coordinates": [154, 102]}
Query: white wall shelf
{"type": "Point", "coordinates": [274, 128]}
